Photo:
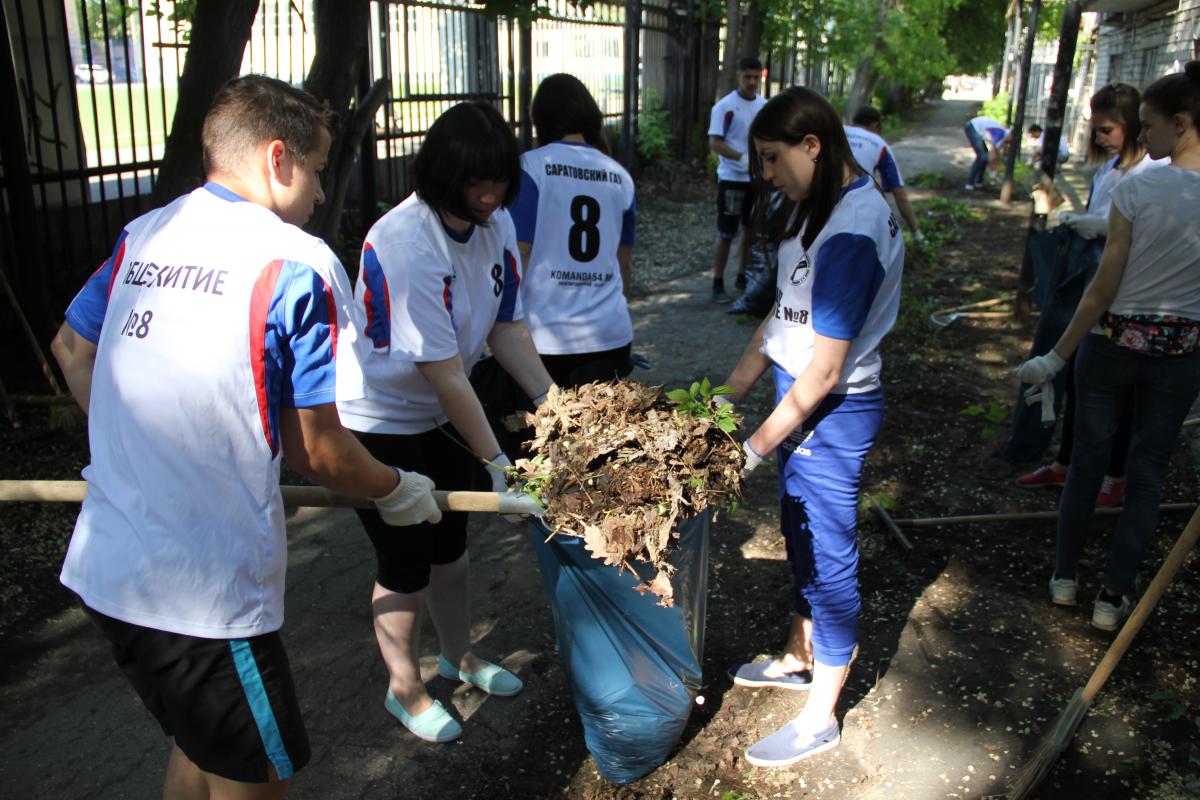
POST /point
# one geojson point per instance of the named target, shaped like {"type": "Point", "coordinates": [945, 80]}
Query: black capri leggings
{"type": "Point", "coordinates": [403, 556]}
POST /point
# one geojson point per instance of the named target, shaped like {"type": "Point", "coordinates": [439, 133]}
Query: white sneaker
{"type": "Point", "coordinates": [1108, 617]}
{"type": "Point", "coordinates": [1063, 591]}
{"type": "Point", "coordinates": [970, 187]}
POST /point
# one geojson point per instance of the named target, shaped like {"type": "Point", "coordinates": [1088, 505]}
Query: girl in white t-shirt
{"type": "Point", "coordinates": [576, 220]}
{"type": "Point", "coordinates": [838, 294]}
{"type": "Point", "coordinates": [1115, 145]}
{"type": "Point", "coordinates": [439, 280]}
{"type": "Point", "coordinates": [1138, 332]}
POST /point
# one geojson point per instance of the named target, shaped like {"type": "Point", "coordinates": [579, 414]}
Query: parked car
{"type": "Point", "coordinates": [87, 73]}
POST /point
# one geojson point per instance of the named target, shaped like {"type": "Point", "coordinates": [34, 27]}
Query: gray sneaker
{"type": "Point", "coordinates": [1108, 617]}
{"type": "Point", "coordinates": [720, 297]}
{"type": "Point", "coordinates": [787, 746]}
{"type": "Point", "coordinates": [1063, 591]}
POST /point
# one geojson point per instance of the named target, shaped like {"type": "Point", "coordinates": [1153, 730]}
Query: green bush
{"type": "Point", "coordinates": [654, 131]}
{"type": "Point", "coordinates": [996, 108]}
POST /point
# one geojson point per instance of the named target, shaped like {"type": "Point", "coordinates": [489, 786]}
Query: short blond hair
{"type": "Point", "coordinates": [254, 109]}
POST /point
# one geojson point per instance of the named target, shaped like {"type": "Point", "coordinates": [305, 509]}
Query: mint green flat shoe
{"type": "Point", "coordinates": [434, 724]}
{"type": "Point", "coordinates": [493, 679]}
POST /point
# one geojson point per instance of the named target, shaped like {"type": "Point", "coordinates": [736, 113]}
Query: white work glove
{"type": "Point", "coordinates": [722, 400]}
{"type": "Point", "coordinates": [1041, 369]}
{"type": "Point", "coordinates": [410, 503]}
{"type": "Point", "coordinates": [496, 469]}
{"type": "Point", "coordinates": [744, 161]}
{"type": "Point", "coordinates": [753, 459]}
{"type": "Point", "coordinates": [1086, 226]}
{"type": "Point", "coordinates": [1042, 393]}
{"type": "Point", "coordinates": [541, 398]}
{"type": "Point", "coordinates": [919, 239]}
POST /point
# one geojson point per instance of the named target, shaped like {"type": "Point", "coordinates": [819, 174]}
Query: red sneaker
{"type": "Point", "coordinates": [1112, 491]}
{"type": "Point", "coordinates": [1045, 475]}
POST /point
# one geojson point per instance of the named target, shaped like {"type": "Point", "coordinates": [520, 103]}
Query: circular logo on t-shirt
{"type": "Point", "coordinates": [800, 272]}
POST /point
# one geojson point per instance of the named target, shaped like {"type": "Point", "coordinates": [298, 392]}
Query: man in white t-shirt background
{"type": "Point", "coordinates": [728, 131]}
{"type": "Point", "coordinates": [874, 155]}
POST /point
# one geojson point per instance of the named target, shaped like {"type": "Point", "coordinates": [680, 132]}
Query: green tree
{"type": "Point", "coordinates": [105, 21]}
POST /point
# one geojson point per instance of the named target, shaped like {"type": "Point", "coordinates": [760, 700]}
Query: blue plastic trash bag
{"type": "Point", "coordinates": [633, 666]}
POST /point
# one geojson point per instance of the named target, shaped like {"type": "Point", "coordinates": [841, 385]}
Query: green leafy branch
{"type": "Point", "coordinates": [699, 401]}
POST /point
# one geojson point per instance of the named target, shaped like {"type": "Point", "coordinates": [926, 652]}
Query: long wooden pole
{"type": "Point", "coordinates": [1016, 516]}
{"type": "Point", "coordinates": [293, 496]}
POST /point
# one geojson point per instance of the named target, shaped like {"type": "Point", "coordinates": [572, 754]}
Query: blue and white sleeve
{"type": "Point", "coordinates": [848, 277]}
{"type": "Point", "coordinates": [85, 315]}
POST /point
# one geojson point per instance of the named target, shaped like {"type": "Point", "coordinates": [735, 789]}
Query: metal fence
{"type": "Point", "coordinates": [96, 83]}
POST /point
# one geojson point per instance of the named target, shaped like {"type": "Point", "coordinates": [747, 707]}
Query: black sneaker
{"type": "Point", "coordinates": [719, 296]}
{"type": "Point", "coordinates": [740, 281]}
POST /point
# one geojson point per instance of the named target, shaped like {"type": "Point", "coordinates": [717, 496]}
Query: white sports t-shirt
{"type": "Point", "coordinates": [873, 155]}
{"type": "Point", "coordinates": [428, 294]}
{"type": "Point", "coordinates": [1108, 176]}
{"type": "Point", "coordinates": [575, 207]}
{"type": "Point", "coordinates": [847, 286]}
{"type": "Point", "coordinates": [211, 316]}
{"type": "Point", "coordinates": [1162, 274]}
{"type": "Point", "coordinates": [989, 129]}
{"type": "Point", "coordinates": [731, 118]}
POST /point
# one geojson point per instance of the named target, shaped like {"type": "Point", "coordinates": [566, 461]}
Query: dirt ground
{"type": "Point", "coordinates": [964, 663]}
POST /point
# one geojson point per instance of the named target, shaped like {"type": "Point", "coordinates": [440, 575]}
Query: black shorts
{"type": "Point", "coordinates": [230, 704]}
{"type": "Point", "coordinates": [574, 370]}
{"type": "Point", "coordinates": [403, 556]}
{"type": "Point", "coordinates": [734, 204]}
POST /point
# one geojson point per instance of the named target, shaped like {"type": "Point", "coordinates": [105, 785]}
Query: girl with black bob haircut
{"type": "Point", "coordinates": [562, 106]}
{"type": "Point", "coordinates": [470, 142]}
{"type": "Point", "coordinates": [439, 281]}
{"type": "Point", "coordinates": [838, 291]}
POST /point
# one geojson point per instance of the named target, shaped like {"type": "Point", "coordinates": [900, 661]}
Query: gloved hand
{"type": "Point", "coordinates": [1086, 226]}
{"type": "Point", "coordinates": [496, 470]}
{"type": "Point", "coordinates": [744, 161]}
{"type": "Point", "coordinates": [541, 398]}
{"type": "Point", "coordinates": [722, 400]}
{"type": "Point", "coordinates": [410, 503]}
{"type": "Point", "coordinates": [1041, 369]}
{"type": "Point", "coordinates": [753, 459]}
{"type": "Point", "coordinates": [1042, 393]}
{"type": "Point", "coordinates": [919, 239]}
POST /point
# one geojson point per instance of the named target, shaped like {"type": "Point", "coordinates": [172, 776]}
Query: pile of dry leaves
{"type": "Point", "coordinates": [619, 465]}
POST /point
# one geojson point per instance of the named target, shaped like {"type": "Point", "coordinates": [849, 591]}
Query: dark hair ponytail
{"type": "Point", "coordinates": [1177, 93]}
{"type": "Point", "coordinates": [788, 117]}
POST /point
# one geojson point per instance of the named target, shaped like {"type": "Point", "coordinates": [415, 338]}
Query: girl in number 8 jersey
{"type": "Point", "coordinates": [838, 293]}
{"type": "Point", "coordinates": [575, 217]}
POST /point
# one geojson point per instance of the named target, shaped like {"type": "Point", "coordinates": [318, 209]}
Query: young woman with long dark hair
{"type": "Point", "coordinates": [838, 294]}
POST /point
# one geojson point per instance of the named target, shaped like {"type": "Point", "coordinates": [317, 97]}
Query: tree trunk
{"type": "Point", "coordinates": [220, 30]}
{"type": "Point", "coordinates": [710, 88]}
{"type": "Point", "coordinates": [752, 30]}
{"type": "Point", "coordinates": [342, 28]}
{"type": "Point", "coordinates": [733, 29]}
{"type": "Point", "coordinates": [866, 75]}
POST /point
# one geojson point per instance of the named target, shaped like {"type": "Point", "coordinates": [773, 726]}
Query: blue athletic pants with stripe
{"type": "Point", "coordinates": [820, 465]}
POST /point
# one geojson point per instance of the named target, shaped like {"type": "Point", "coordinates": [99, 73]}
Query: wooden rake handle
{"type": "Point", "coordinates": [30, 491]}
{"type": "Point", "coordinates": [1166, 573]}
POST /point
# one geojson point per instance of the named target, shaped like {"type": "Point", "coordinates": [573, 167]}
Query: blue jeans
{"type": "Point", "coordinates": [975, 175]}
{"type": "Point", "coordinates": [820, 466]}
{"type": "Point", "coordinates": [1162, 389]}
